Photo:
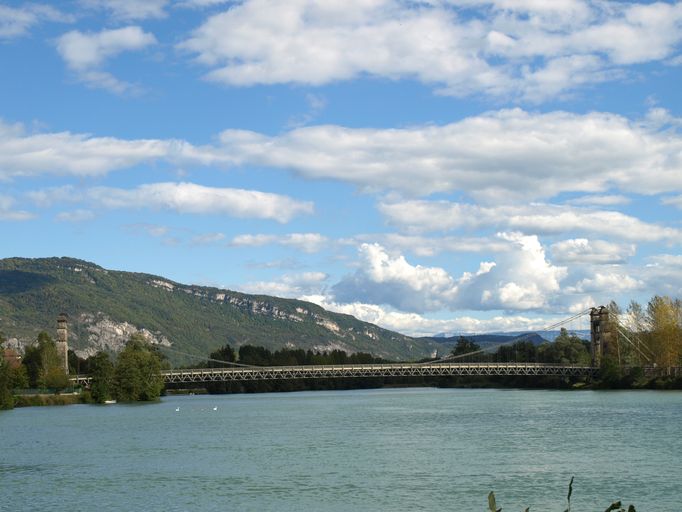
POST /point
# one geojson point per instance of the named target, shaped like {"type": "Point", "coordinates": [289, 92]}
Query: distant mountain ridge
{"type": "Point", "coordinates": [105, 307]}
{"type": "Point", "coordinates": [486, 340]}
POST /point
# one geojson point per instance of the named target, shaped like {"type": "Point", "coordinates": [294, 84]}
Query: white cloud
{"type": "Point", "coordinates": [497, 156]}
{"type": "Point", "coordinates": [585, 252]}
{"type": "Point", "coordinates": [503, 156]}
{"type": "Point", "coordinates": [154, 230]}
{"type": "Point", "coordinates": [307, 242]}
{"type": "Point", "coordinates": [198, 199]}
{"type": "Point", "coordinates": [8, 211]}
{"type": "Point", "coordinates": [534, 218]}
{"type": "Point", "coordinates": [413, 324]}
{"type": "Point", "coordinates": [606, 282]}
{"type": "Point", "coordinates": [75, 216]}
{"type": "Point", "coordinates": [65, 153]}
{"type": "Point", "coordinates": [289, 285]}
{"type": "Point", "coordinates": [430, 246]}
{"type": "Point", "coordinates": [208, 238]}
{"type": "Point", "coordinates": [17, 21]}
{"type": "Point", "coordinates": [200, 4]}
{"type": "Point", "coordinates": [600, 200]}
{"type": "Point", "coordinates": [130, 9]}
{"type": "Point", "coordinates": [85, 53]}
{"type": "Point", "coordinates": [519, 49]}
{"type": "Point", "coordinates": [519, 279]}
{"type": "Point", "coordinates": [675, 201]}
{"type": "Point", "coordinates": [663, 274]}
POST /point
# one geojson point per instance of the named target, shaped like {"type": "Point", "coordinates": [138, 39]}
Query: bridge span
{"type": "Point", "coordinates": [447, 369]}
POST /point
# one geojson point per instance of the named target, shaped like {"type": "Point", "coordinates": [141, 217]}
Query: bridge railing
{"type": "Point", "coordinates": [434, 369]}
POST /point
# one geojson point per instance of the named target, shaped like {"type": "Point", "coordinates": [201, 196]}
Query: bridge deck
{"type": "Point", "coordinates": [364, 370]}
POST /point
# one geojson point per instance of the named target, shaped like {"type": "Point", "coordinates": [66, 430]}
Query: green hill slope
{"type": "Point", "coordinates": [106, 306]}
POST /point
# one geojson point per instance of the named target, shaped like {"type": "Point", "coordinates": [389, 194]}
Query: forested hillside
{"type": "Point", "coordinates": [106, 307]}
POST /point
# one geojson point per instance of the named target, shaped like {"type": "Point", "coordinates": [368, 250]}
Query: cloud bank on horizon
{"type": "Point", "coordinates": [443, 166]}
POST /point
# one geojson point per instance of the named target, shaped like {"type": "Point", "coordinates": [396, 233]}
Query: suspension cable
{"type": "Point", "coordinates": [513, 340]}
{"type": "Point", "coordinates": [194, 356]}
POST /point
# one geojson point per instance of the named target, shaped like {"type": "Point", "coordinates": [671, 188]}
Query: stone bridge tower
{"type": "Point", "coordinates": [62, 341]}
{"type": "Point", "coordinates": [601, 334]}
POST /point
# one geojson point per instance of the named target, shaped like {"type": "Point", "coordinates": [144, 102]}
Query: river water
{"type": "Point", "coordinates": [374, 450]}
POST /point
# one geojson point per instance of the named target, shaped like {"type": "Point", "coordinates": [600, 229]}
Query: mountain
{"type": "Point", "coordinates": [105, 307]}
{"type": "Point", "coordinates": [446, 343]}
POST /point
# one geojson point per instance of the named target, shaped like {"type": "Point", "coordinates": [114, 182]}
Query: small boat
{"type": "Point", "coordinates": [109, 402]}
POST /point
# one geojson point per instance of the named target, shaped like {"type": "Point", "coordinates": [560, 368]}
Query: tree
{"type": "Point", "coordinates": [664, 316]}
{"type": "Point", "coordinates": [101, 377]}
{"type": "Point", "coordinates": [137, 376]}
{"type": "Point", "coordinates": [566, 349]}
{"type": "Point", "coordinates": [225, 353]}
{"type": "Point", "coordinates": [43, 364]}
{"type": "Point", "coordinates": [6, 396]}
{"type": "Point", "coordinates": [465, 346]}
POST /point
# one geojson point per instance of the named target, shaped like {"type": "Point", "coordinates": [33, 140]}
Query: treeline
{"type": "Point", "coordinates": [646, 336]}
{"type": "Point", "coordinates": [135, 375]}
{"type": "Point", "coordinates": [261, 356]}
{"type": "Point", "coordinates": [567, 349]}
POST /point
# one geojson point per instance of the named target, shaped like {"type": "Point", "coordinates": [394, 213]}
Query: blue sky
{"type": "Point", "coordinates": [436, 166]}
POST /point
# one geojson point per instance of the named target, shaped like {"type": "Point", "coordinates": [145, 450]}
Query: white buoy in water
{"type": "Point", "coordinates": [215, 408]}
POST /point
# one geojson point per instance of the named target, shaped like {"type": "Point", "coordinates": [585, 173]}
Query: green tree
{"type": "Point", "coordinates": [6, 396]}
{"type": "Point", "coordinates": [137, 376]}
{"type": "Point", "coordinates": [465, 346]}
{"type": "Point", "coordinates": [665, 319]}
{"type": "Point", "coordinates": [225, 353]}
{"type": "Point", "coordinates": [565, 349]}
{"type": "Point", "coordinates": [43, 364]}
{"type": "Point", "coordinates": [102, 377]}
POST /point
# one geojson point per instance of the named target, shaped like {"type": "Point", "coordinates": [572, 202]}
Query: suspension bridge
{"type": "Point", "coordinates": [603, 333]}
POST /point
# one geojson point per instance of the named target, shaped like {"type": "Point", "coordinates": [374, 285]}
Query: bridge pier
{"type": "Point", "coordinates": [63, 341]}
{"type": "Point", "coordinates": [601, 334]}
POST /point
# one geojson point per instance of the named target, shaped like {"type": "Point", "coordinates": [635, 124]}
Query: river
{"type": "Point", "coordinates": [374, 450]}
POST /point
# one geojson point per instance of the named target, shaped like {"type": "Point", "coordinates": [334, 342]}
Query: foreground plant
{"type": "Point", "coordinates": [616, 506]}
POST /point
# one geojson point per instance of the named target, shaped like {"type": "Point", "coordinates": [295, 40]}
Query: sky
{"type": "Point", "coordinates": [436, 166]}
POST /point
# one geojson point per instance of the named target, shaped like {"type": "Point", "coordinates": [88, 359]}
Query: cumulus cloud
{"type": "Point", "coordinates": [518, 49]}
{"type": "Point", "coordinates": [413, 324]}
{"type": "Point", "coordinates": [130, 9]}
{"type": "Point", "coordinates": [17, 21]}
{"type": "Point", "coordinates": [9, 212]}
{"type": "Point", "coordinates": [86, 52]}
{"type": "Point", "coordinates": [184, 198]}
{"type": "Point", "coordinates": [519, 279]}
{"type": "Point", "coordinates": [307, 242]}
{"type": "Point", "coordinates": [430, 246]}
{"type": "Point", "coordinates": [597, 252]}
{"type": "Point", "coordinates": [613, 282]}
{"type": "Point", "coordinates": [537, 218]}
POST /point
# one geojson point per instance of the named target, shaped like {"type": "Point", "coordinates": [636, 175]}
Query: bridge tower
{"type": "Point", "coordinates": [601, 334]}
{"type": "Point", "coordinates": [62, 341]}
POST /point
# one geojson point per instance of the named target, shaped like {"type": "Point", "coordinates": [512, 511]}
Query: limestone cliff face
{"type": "Point", "coordinates": [106, 307]}
{"type": "Point", "coordinates": [105, 334]}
